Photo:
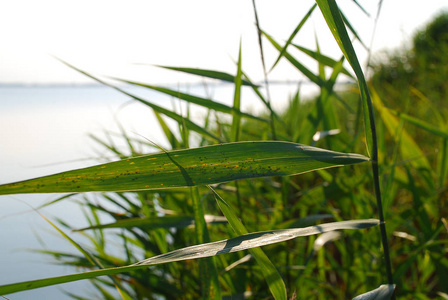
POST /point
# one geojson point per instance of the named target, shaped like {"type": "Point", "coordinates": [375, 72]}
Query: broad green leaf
{"type": "Point", "coordinates": [239, 243]}
{"type": "Point", "coordinates": [207, 103]}
{"type": "Point", "coordinates": [252, 240]}
{"type": "Point", "coordinates": [270, 273]}
{"type": "Point", "coordinates": [335, 22]}
{"type": "Point", "coordinates": [189, 167]}
{"type": "Point", "coordinates": [209, 74]}
{"type": "Point", "coordinates": [384, 292]}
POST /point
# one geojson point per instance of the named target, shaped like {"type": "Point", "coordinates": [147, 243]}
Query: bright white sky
{"type": "Point", "coordinates": [109, 36]}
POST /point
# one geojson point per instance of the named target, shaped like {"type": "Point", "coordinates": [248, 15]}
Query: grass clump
{"type": "Point", "coordinates": [182, 219]}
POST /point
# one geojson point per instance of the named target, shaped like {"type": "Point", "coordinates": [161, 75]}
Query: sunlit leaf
{"type": "Point", "coordinates": [209, 74]}
{"type": "Point", "coordinates": [189, 167]}
{"type": "Point", "coordinates": [207, 103]}
{"type": "Point", "coordinates": [270, 273]}
{"type": "Point", "coordinates": [384, 292]}
{"type": "Point", "coordinates": [156, 222]}
{"type": "Point", "coordinates": [336, 24]}
{"type": "Point", "coordinates": [199, 251]}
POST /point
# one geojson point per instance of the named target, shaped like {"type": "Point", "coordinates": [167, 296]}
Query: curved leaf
{"type": "Point", "coordinates": [239, 243]}
{"type": "Point", "coordinates": [336, 24]}
{"type": "Point", "coordinates": [209, 74]}
{"type": "Point", "coordinates": [156, 222]}
{"type": "Point", "coordinates": [189, 167]}
{"type": "Point", "coordinates": [207, 103]}
{"type": "Point", "coordinates": [270, 273]}
{"type": "Point", "coordinates": [384, 292]}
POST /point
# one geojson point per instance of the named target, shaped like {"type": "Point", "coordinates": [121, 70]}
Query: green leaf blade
{"type": "Point", "coordinates": [243, 242]}
{"type": "Point", "coordinates": [209, 74]}
{"type": "Point", "coordinates": [336, 24]}
{"type": "Point", "coordinates": [189, 167]}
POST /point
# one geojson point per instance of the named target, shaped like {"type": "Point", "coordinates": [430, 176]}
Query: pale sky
{"type": "Point", "coordinates": [109, 37]}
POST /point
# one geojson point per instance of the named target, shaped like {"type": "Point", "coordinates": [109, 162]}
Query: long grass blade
{"type": "Point", "coordinates": [209, 74]}
{"type": "Point", "coordinates": [408, 146]}
{"type": "Point", "coordinates": [178, 118]}
{"type": "Point", "coordinates": [236, 119]}
{"type": "Point", "coordinates": [421, 124]}
{"type": "Point", "coordinates": [207, 103]}
{"type": "Point", "coordinates": [304, 70]}
{"type": "Point", "coordinates": [335, 22]}
{"type": "Point", "coordinates": [189, 167]}
{"type": "Point", "coordinates": [209, 274]}
{"type": "Point", "coordinates": [293, 34]}
{"type": "Point", "coordinates": [243, 242]}
{"type": "Point", "coordinates": [156, 222]}
{"type": "Point", "coordinates": [270, 273]}
{"type": "Point", "coordinates": [384, 292]}
{"type": "Point", "coordinates": [323, 59]}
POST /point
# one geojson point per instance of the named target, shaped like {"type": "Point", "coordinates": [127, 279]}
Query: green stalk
{"type": "Point", "coordinates": [336, 24]}
{"type": "Point", "coordinates": [209, 274]}
{"type": "Point", "coordinates": [266, 82]}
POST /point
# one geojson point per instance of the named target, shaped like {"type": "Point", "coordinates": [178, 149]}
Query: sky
{"type": "Point", "coordinates": [124, 39]}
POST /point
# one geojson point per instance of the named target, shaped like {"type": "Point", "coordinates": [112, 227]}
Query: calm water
{"type": "Point", "coordinates": [44, 130]}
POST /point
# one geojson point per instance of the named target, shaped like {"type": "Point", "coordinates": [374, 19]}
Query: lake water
{"type": "Point", "coordinates": [44, 130]}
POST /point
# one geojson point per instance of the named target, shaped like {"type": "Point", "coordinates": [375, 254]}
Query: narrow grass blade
{"type": "Point", "coordinates": [208, 273]}
{"type": "Point", "coordinates": [409, 148]}
{"type": "Point", "coordinates": [293, 34]}
{"type": "Point", "coordinates": [304, 70]}
{"type": "Point", "coordinates": [199, 251]}
{"type": "Point", "coordinates": [209, 74]}
{"type": "Point", "coordinates": [236, 119]}
{"type": "Point", "coordinates": [335, 22]}
{"type": "Point", "coordinates": [189, 167]}
{"type": "Point", "coordinates": [323, 59]}
{"type": "Point", "coordinates": [384, 292]}
{"type": "Point", "coordinates": [92, 259]}
{"type": "Point", "coordinates": [422, 124]}
{"type": "Point", "coordinates": [178, 118]}
{"type": "Point", "coordinates": [207, 103]}
{"type": "Point", "coordinates": [157, 222]}
{"type": "Point", "coordinates": [270, 273]}
{"type": "Point", "coordinates": [147, 223]}
{"type": "Point", "coordinates": [264, 100]}
{"type": "Point", "coordinates": [352, 29]}
{"type": "Point", "coordinates": [175, 144]}
{"type": "Point", "coordinates": [362, 8]}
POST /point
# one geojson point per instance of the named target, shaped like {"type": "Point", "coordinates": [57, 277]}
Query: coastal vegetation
{"type": "Point", "coordinates": [333, 197]}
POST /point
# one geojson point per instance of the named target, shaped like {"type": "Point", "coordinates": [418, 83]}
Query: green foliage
{"type": "Point", "coordinates": [175, 224]}
{"type": "Point", "coordinates": [417, 75]}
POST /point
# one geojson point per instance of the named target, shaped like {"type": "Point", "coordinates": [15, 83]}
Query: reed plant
{"type": "Point", "coordinates": [223, 213]}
